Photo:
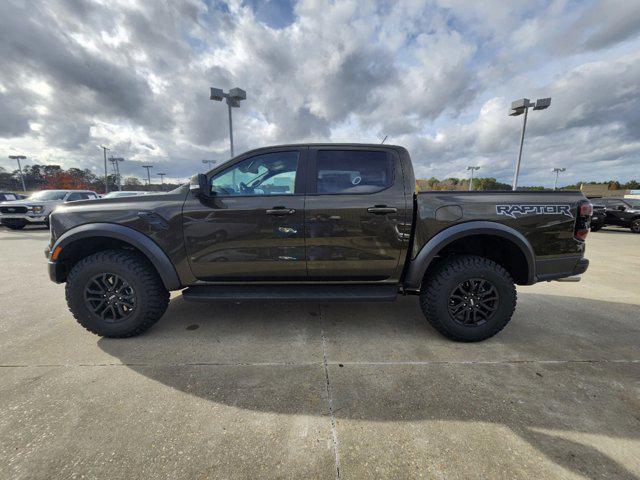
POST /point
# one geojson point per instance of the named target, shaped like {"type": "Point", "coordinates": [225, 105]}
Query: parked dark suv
{"type": "Point", "coordinates": [623, 212]}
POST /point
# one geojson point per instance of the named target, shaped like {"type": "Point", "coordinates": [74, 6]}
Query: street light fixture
{"type": "Point", "coordinates": [471, 179]}
{"type": "Point", "coordinates": [558, 171]}
{"type": "Point", "coordinates": [518, 108]}
{"type": "Point", "coordinates": [114, 161]}
{"type": "Point", "coordinates": [162, 181]}
{"type": "Point", "coordinates": [148, 174]}
{"type": "Point", "coordinates": [234, 97]}
{"type": "Point", "coordinates": [18, 158]}
{"type": "Point", "coordinates": [211, 163]}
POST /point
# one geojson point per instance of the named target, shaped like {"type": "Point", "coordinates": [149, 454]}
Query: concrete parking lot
{"type": "Point", "coordinates": [323, 390]}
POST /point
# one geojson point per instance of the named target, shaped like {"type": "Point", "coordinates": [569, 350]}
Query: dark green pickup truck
{"type": "Point", "coordinates": [315, 222]}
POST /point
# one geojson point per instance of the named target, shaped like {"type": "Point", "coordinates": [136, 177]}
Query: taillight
{"type": "Point", "coordinates": [583, 220]}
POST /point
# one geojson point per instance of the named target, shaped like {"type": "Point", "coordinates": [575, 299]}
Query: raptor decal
{"type": "Point", "coordinates": [515, 211]}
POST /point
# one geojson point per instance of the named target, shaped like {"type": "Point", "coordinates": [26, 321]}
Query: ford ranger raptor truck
{"type": "Point", "coordinates": [319, 222]}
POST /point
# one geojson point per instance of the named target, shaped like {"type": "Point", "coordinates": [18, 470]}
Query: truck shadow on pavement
{"type": "Point", "coordinates": [561, 378]}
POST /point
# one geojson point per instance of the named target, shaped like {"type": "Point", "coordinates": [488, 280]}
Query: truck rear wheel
{"type": "Point", "coordinates": [116, 293]}
{"type": "Point", "coordinates": [468, 298]}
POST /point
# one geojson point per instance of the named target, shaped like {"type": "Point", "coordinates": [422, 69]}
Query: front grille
{"type": "Point", "coordinates": [9, 210]}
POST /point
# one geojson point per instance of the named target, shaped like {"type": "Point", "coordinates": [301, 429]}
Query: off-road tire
{"type": "Point", "coordinates": [595, 228]}
{"type": "Point", "coordinates": [448, 274]}
{"type": "Point", "coordinates": [151, 296]}
{"type": "Point", "coordinates": [635, 226]}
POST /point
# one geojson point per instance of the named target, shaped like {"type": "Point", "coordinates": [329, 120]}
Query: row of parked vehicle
{"type": "Point", "coordinates": [621, 212]}
{"type": "Point", "coordinates": [17, 211]}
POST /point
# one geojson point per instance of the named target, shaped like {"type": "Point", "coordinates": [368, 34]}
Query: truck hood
{"type": "Point", "coordinates": [27, 202]}
{"type": "Point", "coordinates": [128, 211]}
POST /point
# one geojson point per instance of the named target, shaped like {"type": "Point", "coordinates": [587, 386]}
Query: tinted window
{"type": "Point", "coordinates": [73, 196]}
{"type": "Point", "coordinates": [353, 171]}
{"type": "Point", "coordinates": [267, 174]}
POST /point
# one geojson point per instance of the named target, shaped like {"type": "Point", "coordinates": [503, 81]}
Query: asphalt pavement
{"type": "Point", "coordinates": [330, 390]}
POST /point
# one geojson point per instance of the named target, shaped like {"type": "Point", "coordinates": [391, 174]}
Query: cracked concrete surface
{"type": "Point", "coordinates": [288, 390]}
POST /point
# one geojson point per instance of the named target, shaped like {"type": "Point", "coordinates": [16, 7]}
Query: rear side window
{"type": "Point", "coordinates": [353, 171]}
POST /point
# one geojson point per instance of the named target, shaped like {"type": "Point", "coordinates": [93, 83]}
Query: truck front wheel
{"type": "Point", "coordinates": [468, 298]}
{"type": "Point", "coordinates": [116, 293]}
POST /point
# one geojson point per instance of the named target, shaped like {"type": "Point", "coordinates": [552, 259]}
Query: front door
{"type": "Point", "coordinates": [252, 227]}
{"type": "Point", "coordinates": [355, 215]}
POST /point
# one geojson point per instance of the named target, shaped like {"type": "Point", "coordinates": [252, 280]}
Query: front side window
{"type": "Point", "coordinates": [353, 171]}
{"type": "Point", "coordinates": [267, 174]}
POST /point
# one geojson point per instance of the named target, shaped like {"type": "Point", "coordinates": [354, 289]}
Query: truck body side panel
{"type": "Point", "coordinates": [545, 220]}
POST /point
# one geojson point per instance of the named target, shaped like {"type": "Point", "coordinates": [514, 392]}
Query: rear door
{"type": "Point", "coordinates": [354, 214]}
{"type": "Point", "coordinates": [252, 229]}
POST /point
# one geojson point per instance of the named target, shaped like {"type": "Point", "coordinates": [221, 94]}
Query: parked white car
{"type": "Point", "coordinates": [36, 209]}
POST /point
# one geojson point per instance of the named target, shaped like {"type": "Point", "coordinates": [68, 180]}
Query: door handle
{"type": "Point", "coordinates": [382, 210]}
{"type": "Point", "coordinates": [278, 211]}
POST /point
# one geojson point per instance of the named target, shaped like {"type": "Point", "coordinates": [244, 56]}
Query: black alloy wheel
{"type": "Point", "coordinates": [110, 297]}
{"type": "Point", "coordinates": [473, 302]}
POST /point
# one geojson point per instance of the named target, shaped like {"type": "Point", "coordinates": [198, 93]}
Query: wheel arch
{"type": "Point", "coordinates": [522, 268]}
{"type": "Point", "coordinates": [86, 239]}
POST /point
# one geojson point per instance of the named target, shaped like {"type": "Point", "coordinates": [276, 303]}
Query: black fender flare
{"type": "Point", "coordinates": [142, 242]}
{"type": "Point", "coordinates": [418, 266]}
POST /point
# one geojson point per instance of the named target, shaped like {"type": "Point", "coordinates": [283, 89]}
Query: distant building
{"type": "Point", "coordinates": [601, 190]}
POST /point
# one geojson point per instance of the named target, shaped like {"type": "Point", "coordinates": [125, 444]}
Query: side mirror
{"type": "Point", "coordinates": [200, 186]}
{"type": "Point", "coordinates": [621, 208]}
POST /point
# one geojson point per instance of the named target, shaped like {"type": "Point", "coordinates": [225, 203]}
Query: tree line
{"type": "Point", "coordinates": [53, 177]}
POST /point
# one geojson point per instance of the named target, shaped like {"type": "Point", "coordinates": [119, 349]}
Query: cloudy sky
{"type": "Point", "coordinates": [436, 77]}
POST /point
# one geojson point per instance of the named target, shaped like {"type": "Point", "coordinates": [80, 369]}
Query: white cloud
{"type": "Point", "coordinates": [436, 77]}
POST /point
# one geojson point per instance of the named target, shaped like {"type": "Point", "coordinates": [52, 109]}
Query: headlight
{"type": "Point", "coordinates": [37, 209]}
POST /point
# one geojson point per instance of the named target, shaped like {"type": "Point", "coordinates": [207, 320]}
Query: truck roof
{"type": "Point", "coordinates": [337, 145]}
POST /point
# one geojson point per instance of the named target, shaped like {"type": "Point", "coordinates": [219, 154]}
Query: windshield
{"type": "Point", "coordinates": [48, 195]}
{"type": "Point", "coordinates": [634, 202]}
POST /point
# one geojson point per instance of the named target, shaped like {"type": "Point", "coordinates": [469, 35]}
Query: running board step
{"type": "Point", "coordinates": [332, 293]}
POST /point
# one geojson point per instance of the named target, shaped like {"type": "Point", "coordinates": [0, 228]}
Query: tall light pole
{"type": "Point", "coordinates": [115, 161]}
{"type": "Point", "coordinates": [518, 108]}
{"type": "Point", "coordinates": [233, 98]}
{"type": "Point", "coordinates": [18, 158]}
{"type": "Point", "coordinates": [558, 171]}
{"type": "Point", "coordinates": [162, 181]}
{"type": "Point", "coordinates": [106, 174]}
{"type": "Point", "coordinates": [148, 174]}
{"type": "Point", "coordinates": [471, 179]}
